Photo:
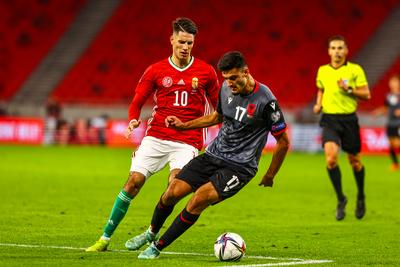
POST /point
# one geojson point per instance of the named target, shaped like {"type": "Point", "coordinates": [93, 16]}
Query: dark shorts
{"type": "Point", "coordinates": [343, 129]}
{"type": "Point", "coordinates": [227, 179]}
{"type": "Point", "coordinates": [393, 131]}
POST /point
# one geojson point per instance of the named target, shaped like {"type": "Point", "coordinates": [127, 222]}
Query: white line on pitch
{"type": "Point", "coordinates": [294, 261]}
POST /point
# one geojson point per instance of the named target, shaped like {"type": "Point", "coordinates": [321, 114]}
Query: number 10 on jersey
{"type": "Point", "coordinates": [181, 99]}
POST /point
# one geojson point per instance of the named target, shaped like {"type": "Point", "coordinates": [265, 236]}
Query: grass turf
{"type": "Point", "coordinates": [62, 196]}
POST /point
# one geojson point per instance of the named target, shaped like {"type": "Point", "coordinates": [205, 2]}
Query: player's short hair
{"type": "Point", "coordinates": [231, 60]}
{"type": "Point", "coordinates": [395, 76]}
{"type": "Point", "coordinates": [184, 25]}
{"type": "Point", "coordinates": [336, 38]}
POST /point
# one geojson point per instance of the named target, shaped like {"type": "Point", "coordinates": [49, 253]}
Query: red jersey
{"type": "Point", "coordinates": [185, 93]}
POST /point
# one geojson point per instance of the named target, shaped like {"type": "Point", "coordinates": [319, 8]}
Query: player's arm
{"type": "Point", "coordinates": [318, 103]}
{"type": "Point", "coordinates": [143, 90]}
{"type": "Point", "coordinates": [279, 154]}
{"type": "Point", "coordinates": [361, 92]}
{"type": "Point", "coordinates": [201, 122]}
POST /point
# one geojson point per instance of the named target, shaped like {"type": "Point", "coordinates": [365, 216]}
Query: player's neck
{"type": "Point", "coordinates": [180, 63]}
{"type": "Point", "coordinates": [250, 86]}
{"type": "Point", "coordinates": [337, 64]}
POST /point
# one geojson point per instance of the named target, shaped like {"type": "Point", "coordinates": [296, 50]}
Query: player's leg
{"type": "Point", "coordinates": [359, 175]}
{"type": "Point", "coordinates": [146, 160]}
{"type": "Point", "coordinates": [202, 198]}
{"type": "Point", "coordinates": [352, 145]}
{"type": "Point", "coordinates": [331, 156]}
{"type": "Point", "coordinates": [393, 148]}
{"type": "Point", "coordinates": [180, 154]}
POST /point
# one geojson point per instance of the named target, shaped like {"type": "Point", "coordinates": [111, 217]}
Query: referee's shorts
{"type": "Point", "coordinates": [343, 129]}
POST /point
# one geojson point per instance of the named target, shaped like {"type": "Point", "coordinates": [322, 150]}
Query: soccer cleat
{"type": "Point", "coordinates": [100, 245]}
{"type": "Point", "coordinates": [360, 209]}
{"type": "Point", "coordinates": [140, 240]}
{"type": "Point", "coordinates": [149, 253]}
{"type": "Point", "coordinates": [340, 209]}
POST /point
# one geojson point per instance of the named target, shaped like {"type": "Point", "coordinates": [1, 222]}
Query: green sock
{"type": "Point", "coordinates": [118, 212]}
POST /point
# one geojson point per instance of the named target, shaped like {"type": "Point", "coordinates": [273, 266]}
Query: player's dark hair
{"type": "Point", "coordinates": [336, 38]}
{"type": "Point", "coordinates": [231, 60]}
{"type": "Point", "coordinates": [184, 25]}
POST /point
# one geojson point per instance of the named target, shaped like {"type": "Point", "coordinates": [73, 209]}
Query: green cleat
{"type": "Point", "coordinates": [140, 240]}
{"type": "Point", "coordinates": [149, 253]}
{"type": "Point", "coordinates": [100, 245]}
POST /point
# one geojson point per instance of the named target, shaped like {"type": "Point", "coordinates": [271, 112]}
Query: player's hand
{"type": "Point", "coordinates": [317, 108]}
{"type": "Point", "coordinates": [173, 122]}
{"type": "Point", "coordinates": [267, 180]}
{"type": "Point", "coordinates": [343, 85]}
{"type": "Point", "coordinates": [132, 125]}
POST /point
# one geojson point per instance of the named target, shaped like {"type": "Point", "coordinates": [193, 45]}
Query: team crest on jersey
{"type": "Point", "coordinates": [251, 108]}
{"type": "Point", "coordinates": [167, 81]}
{"type": "Point", "coordinates": [230, 99]}
{"type": "Point", "coordinates": [195, 83]}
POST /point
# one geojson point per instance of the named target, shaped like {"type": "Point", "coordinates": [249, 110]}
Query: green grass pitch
{"type": "Point", "coordinates": [56, 200]}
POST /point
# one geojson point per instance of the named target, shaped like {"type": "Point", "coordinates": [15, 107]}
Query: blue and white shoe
{"type": "Point", "coordinates": [140, 240]}
{"type": "Point", "coordinates": [149, 253]}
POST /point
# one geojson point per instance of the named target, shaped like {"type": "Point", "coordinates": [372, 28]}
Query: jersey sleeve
{"type": "Point", "coordinates": [213, 88]}
{"type": "Point", "coordinates": [318, 81]}
{"type": "Point", "coordinates": [143, 90]}
{"type": "Point", "coordinates": [274, 118]}
{"type": "Point", "coordinates": [361, 79]}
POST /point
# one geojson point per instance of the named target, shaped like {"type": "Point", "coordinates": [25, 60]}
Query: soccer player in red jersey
{"type": "Point", "coordinates": [181, 85]}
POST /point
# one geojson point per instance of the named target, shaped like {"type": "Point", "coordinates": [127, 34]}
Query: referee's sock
{"type": "Point", "coordinates": [336, 179]}
{"type": "Point", "coordinates": [360, 175]}
{"type": "Point", "coordinates": [161, 213]}
{"type": "Point", "coordinates": [181, 223]}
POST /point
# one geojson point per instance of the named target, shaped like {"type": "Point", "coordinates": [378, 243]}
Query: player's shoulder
{"type": "Point", "coordinates": [324, 67]}
{"type": "Point", "coordinates": [354, 65]}
{"type": "Point", "coordinates": [201, 63]}
{"type": "Point", "coordinates": [265, 91]}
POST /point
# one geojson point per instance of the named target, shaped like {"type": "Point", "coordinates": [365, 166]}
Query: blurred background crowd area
{"type": "Point", "coordinates": [72, 65]}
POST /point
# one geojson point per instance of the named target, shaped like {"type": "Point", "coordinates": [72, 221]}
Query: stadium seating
{"type": "Point", "coordinates": [381, 89]}
{"type": "Point", "coordinates": [28, 30]}
{"type": "Point", "coordinates": [284, 42]}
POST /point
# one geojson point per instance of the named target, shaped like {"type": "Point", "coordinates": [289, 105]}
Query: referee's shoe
{"type": "Point", "coordinates": [340, 209]}
{"type": "Point", "coordinates": [360, 208]}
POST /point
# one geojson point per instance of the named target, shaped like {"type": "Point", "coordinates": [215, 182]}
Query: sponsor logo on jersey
{"type": "Point", "coordinates": [167, 81]}
{"type": "Point", "coordinates": [195, 83]}
{"type": "Point", "coordinates": [181, 82]}
{"type": "Point", "coordinates": [251, 108]}
{"type": "Point", "coordinates": [275, 116]}
{"type": "Point", "coordinates": [230, 99]}
{"type": "Point", "coordinates": [272, 104]}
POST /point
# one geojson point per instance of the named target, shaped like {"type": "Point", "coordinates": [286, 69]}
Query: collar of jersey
{"type": "Point", "coordinates": [181, 69]}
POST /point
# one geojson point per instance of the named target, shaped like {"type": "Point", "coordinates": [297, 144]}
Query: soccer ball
{"type": "Point", "coordinates": [229, 247]}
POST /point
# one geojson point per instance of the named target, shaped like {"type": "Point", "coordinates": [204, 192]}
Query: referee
{"type": "Point", "coordinates": [340, 85]}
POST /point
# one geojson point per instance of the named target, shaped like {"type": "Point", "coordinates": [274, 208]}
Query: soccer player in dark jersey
{"type": "Point", "coordinates": [181, 85]}
{"type": "Point", "coordinates": [248, 111]}
{"type": "Point", "coordinates": [340, 85]}
{"type": "Point", "coordinates": [392, 108]}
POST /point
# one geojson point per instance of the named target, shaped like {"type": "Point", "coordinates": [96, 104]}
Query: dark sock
{"type": "Point", "coordinates": [359, 175]}
{"type": "Point", "coordinates": [161, 213]}
{"type": "Point", "coordinates": [393, 156]}
{"type": "Point", "coordinates": [181, 223]}
{"type": "Point", "coordinates": [336, 179]}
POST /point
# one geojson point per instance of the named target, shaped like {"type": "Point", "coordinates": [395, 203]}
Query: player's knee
{"type": "Point", "coordinates": [134, 183]}
{"type": "Point", "coordinates": [355, 164]}
{"type": "Point", "coordinates": [197, 204]}
{"type": "Point", "coordinates": [331, 162]}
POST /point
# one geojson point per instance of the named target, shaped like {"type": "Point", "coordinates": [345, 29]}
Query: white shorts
{"type": "Point", "coordinates": [153, 154]}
